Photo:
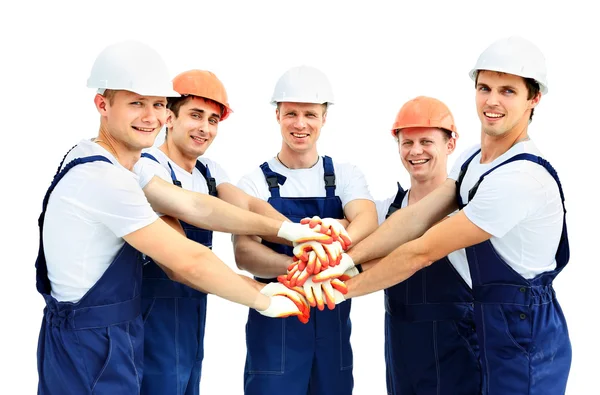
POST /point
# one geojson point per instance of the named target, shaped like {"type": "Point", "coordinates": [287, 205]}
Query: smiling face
{"type": "Point", "coordinates": [132, 120]}
{"type": "Point", "coordinates": [502, 102]}
{"type": "Point", "coordinates": [194, 127]}
{"type": "Point", "coordinates": [300, 125]}
{"type": "Point", "coordinates": [424, 151]}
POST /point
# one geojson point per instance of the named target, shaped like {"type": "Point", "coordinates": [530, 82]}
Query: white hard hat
{"type": "Point", "coordinates": [303, 84]}
{"type": "Point", "coordinates": [131, 66]}
{"type": "Point", "coordinates": [514, 55]}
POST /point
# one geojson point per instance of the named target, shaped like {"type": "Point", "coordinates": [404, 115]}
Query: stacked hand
{"type": "Point", "coordinates": [312, 256]}
{"type": "Point", "coordinates": [285, 302]}
{"type": "Point", "coordinates": [328, 292]}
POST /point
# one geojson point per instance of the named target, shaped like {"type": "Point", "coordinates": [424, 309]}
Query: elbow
{"type": "Point", "coordinates": [239, 253]}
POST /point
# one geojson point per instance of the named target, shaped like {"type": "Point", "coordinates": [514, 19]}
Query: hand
{"type": "Point", "coordinates": [318, 294]}
{"type": "Point", "coordinates": [318, 256]}
{"type": "Point", "coordinates": [282, 308]}
{"type": "Point", "coordinates": [298, 233]}
{"type": "Point", "coordinates": [329, 226]}
{"type": "Point", "coordinates": [345, 264]}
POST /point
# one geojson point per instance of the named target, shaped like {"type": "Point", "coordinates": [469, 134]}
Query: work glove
{"type": "Point", "coordinates": [329, 226]}
{"type": "Point", "coordinates": [345, 264]}
{"type": "Point", "coordinates": [276, 291]}
{"type": "Point", "coordinates": [318, 295]}
{"type": "Point", "coordinates": [318, 256]}
{"type": "Point", "coordinates": [298, 233]}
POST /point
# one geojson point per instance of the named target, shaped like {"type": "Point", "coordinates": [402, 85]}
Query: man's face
{"type": "Point", "coordinates": [196, 126]}
{"type": "Point", "coordinates": [502, 103]}
{"type": "Point", "coordinates": [134, 120]}
{"type": "Point", "coordinates": [424, 151]}
{"type": "Point", "coordinates": [301, 124]}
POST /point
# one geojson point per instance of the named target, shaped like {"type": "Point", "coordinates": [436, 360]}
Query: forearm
{"type": "Point", "coordinates": [261, 207]}
{"type": "Point", "coordinates": [403, 226]}
{"type": "Point", "coordinates": [211, 275]}
{"type": "Point", "coordinates": [361, 226]}
{"type": "Point", "coordinates": [390, 270]}
{"type": "Point", "coordinates": [211, 213]}
{"type": "Point", "coordinates": [258, 259]}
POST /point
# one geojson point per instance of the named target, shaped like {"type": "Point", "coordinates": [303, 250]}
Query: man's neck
{"type": "Point", "coordinates": [421, 188]}
{"type": "Point", "coordinates": [185, 162]}
{"type": "Point", "coordinates": [296, 160]}
{"type": "Point", "coordinates": [494, 146]}
{"type": "Point", "coordinates": [126, 157]}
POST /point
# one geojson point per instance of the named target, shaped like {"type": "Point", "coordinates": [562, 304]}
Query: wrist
{"type": "Point", "coordinates": [262, 302]}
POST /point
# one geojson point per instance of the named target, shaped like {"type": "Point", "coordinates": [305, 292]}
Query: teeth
{"type": "Point", "coordinates": [493, 115]}
{"type": "Point", "coordinates": [143, 129]}
{"type": "Point", "coordinates": [419, 162]}
{"type": "Point", "coordinates": [299, 135]}
{"type": "Point", "coordinates": [199, 139]}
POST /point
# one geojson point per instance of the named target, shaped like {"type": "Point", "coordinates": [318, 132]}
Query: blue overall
{"type": "Point", "coordinates": [430, 341]}
{"type": "Point", "coordinates": [94, 346]}
{"type": "Point", "coordinates": [174, 319]}
{"type": "Point", "coordinates": [285, 356]}
{"type": "Point", "coordinates": [522, 332]}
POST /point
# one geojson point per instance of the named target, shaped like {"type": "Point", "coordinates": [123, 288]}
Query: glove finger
{"type": "Point", "coordinates": [314, 221]}
{"type": "Point", "coordinates": [318, 292]}
{"type": "Point", "coordinates": [302, 278]}
{"type": "Point", "coordinates": [305, 221]}
{"type": "Point", "coordinates": [339, 285]}
{"type": "Point", "coordinates": [304, 318]}
{"type": "Point", "coordinates": [317, 236]}
{"type": "Point", "coordinates": [291, 273]}
{"type": "Point", "coordinates": [295, 278]}
{"type": "Point", "coordinates": [329, 296]}
{"type": "Point", "coordinates": [331, 273]}
{"type": "Point", "coordinates": [320, 251]}
{"type": "Point", "coordinates": [294, 263]}
{"type": "Point", "coordinates": [317, 266]}
{"type": "Point", "coordinates": [284, 280]}
{"type": "Point", "coordinates": [347, 241]}
{"type": "Point", "coordinates": [310, 297]}
{"type": "Point", "coordinates": [310, 265]}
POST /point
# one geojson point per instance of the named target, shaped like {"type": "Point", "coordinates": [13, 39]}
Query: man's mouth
{"type": "Point", "coordinates": [199, 139]}
{"type": "Point", "coordinates": [418, 161]}
{"type": "Point", "coordinates": [300, 135]}
{"type": "Point", "coordinates": [146, 130]}
{"type": "Point", "coordinates": [494, 115]}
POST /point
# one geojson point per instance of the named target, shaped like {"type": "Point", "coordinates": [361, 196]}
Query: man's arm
{"type": "Point", "coordinates": [237, 197]}
{"type": "Point", "coordinates": [258, 259]}
{"type": "Point", "coordinates": [447, 236]}
{"type": "Point", "coordinates": [406, 224]}
{"type": "Point", "coordinates": [361, 215]}
{"type": "Point", "coordinates": [206, 211]}
{"type": "Point", "coordinates": [234, 195]}
{"type": "Point", "coordinates": [194, 264]}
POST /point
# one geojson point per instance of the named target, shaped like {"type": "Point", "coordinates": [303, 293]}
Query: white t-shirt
{"type": "Point", "coordinates": [146, 168]}
{"type": "Point", "coordinates": [519, 205]}
{"type": "Point", "coordinates": [457, 258]}
{"type": "Point", "coordinates": [88, 213]}
{"type": "Point", "coordinates": [349, 180]}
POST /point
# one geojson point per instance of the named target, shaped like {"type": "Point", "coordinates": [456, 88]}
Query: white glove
{"type": "Point", "coordinates": [318, 295]}
{"type": "Point", "coordinates": [345, 264]}
{"type": "Point", "coordinates": [275, 289]}
{"type": "Point", "coordinates": [329, 226]}
{"type": "Point", "coordinates": [298, 233]}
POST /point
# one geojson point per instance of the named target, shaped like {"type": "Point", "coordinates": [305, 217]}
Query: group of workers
{"type": "Point", "coordinates": [466, 258]}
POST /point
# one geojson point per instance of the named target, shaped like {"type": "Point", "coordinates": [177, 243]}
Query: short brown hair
{"type": "Point", "coordinates": [109, 94]}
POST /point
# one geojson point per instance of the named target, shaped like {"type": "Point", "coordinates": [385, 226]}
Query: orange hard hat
{"type": "Point", "coordinates": [203, 84]}
{"type": "Point", "coordinates": [424, 112]}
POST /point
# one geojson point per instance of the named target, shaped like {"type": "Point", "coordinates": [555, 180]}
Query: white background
{"type": "Point", "coordinates": [377, 55]}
